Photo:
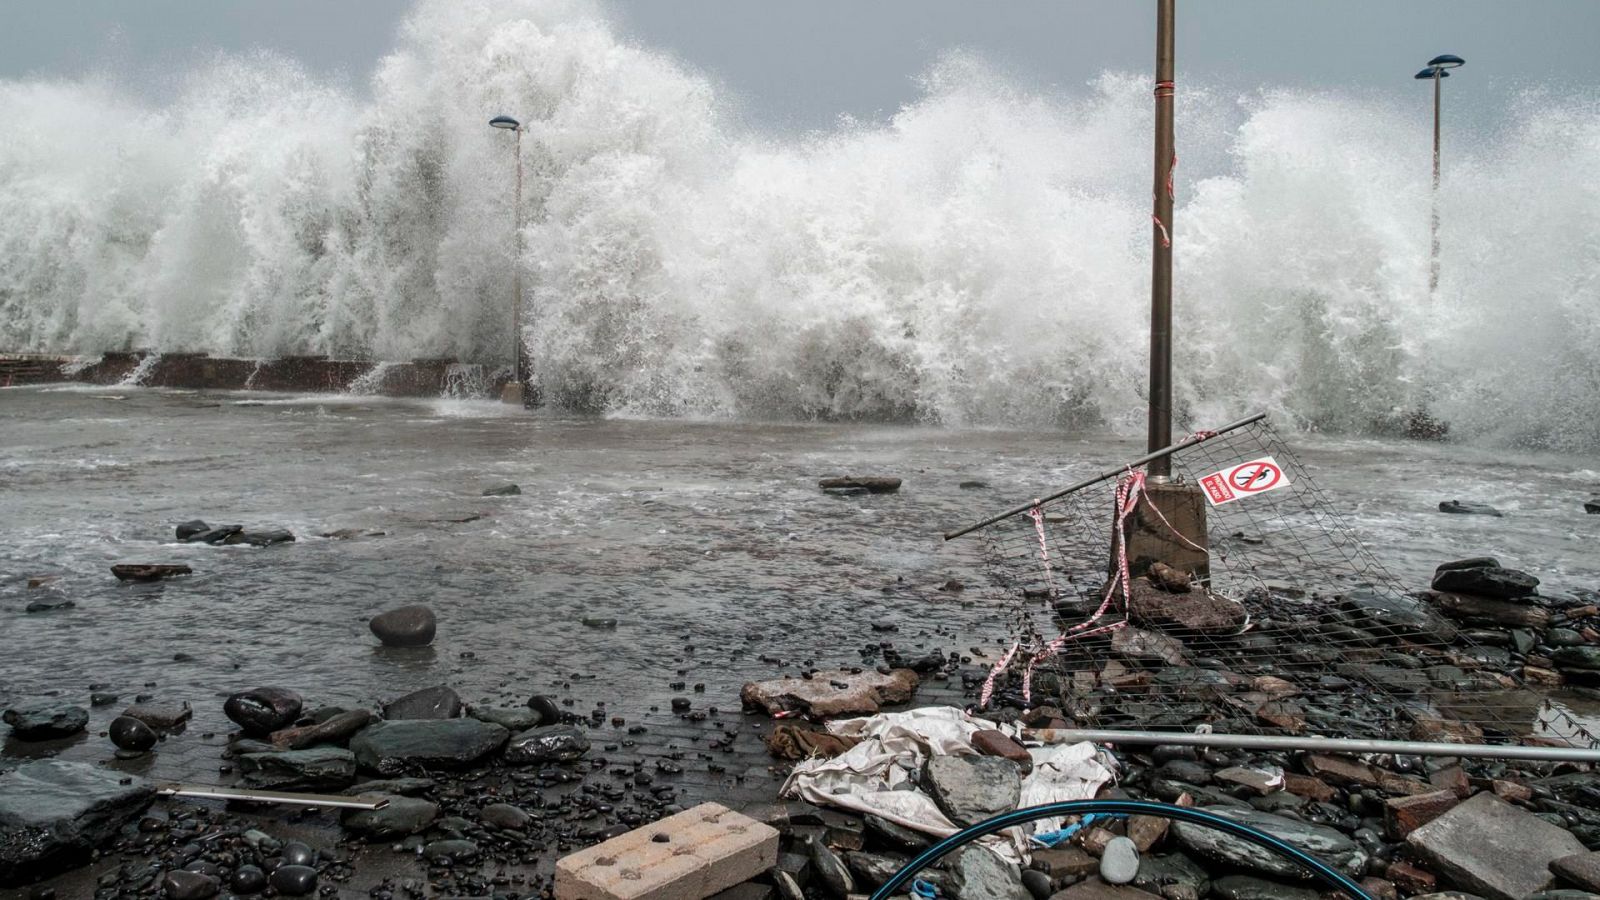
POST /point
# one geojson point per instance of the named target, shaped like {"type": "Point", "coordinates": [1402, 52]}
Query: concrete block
{"type": "Point", "coordinates": [705, 850]}
{"type": "Point", "coordinates": [1493, 849]}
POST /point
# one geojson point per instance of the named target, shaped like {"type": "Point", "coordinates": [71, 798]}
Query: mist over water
{"type": "Point", "coordinates": [981, 258]}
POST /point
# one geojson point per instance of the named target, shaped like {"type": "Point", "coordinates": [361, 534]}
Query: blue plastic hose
{"type": "Point", "coordinates": [928, 857]}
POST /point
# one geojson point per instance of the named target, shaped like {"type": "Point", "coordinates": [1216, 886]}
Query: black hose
{"type": "Point", "coordinates": [933, 854]}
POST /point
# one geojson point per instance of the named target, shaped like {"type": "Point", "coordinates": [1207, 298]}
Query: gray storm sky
{"type": "Point", "coordinates": [794, 65]}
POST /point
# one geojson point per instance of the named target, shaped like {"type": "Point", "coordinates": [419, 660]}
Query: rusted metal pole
{"type": "Point", "coordinates": [1159, 426]}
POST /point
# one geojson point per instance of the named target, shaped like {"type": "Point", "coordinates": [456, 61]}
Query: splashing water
{"type": "Point", "coordinates": [980, 258]}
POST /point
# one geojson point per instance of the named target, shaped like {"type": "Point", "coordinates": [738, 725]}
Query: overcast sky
{"type": "Point", "coordinates": [800, 65]}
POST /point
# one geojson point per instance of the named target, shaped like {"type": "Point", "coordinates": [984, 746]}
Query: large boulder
{"type": "Point", "coordinates": [392, 748]}
{"type": "Point", "coordinates": [263, 710]}
{"type": "Point", "coordinates": [438, 702]}
{"type": "Point", "coordinates": [1327, 844]}
{"type": "Point", "coordinates": [1396, 615]}
{"type": "Point", "coordinates": [45, 720]}
{"type": "Point", "coordinates": [317, 769]}
{"type": "Point", "coordinates": [53, 813]}
{"type": "Point", "coordinates": [832, 693]}
{"type": "Point", "coordinates": [546, 744]}
{"type": "Point", "coordinates": [972, 789]}
{"type": "Point", "coordinates": [1486, 581]}
{"type": "Point", "coordinates": [408, 626]}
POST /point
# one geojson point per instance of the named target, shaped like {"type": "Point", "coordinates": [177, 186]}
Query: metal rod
{"type": "Point", "coordinates": [1159, 423]}
{"type": "Point", "coordinates": [209, 792]}
{"type": "Point", "coordinates": [517, 373]}
{"type": "Point", "coordinates": [1326, 745]}
{"type": "Point", "coordinates": [1110, 473]}
{"type": "Point", "coordinates": [1433, 267]}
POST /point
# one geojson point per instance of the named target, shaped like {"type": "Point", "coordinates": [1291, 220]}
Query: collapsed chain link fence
{"type": "Point", "coordinates": [1301, 630]}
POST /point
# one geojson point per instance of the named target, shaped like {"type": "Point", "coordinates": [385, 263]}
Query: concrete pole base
{"type": "Point", "coordinates": [1150, 540]}
{"type": "Point", "coordinates": [511, 394]}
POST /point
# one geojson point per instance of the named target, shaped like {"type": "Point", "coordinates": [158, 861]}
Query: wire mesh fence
{"type": "Point", "coordinates": [1278, 618]}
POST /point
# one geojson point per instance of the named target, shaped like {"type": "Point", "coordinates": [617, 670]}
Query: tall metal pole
{"type": "Point", "coordinates": [518, 375]}
{"type": "Point", "coordinates": [1433, 271]}
{"type": "Point", "coordinates": [1159, 426]}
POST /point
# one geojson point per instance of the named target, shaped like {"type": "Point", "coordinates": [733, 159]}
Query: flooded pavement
{"type": "Point", "coordinates": [708, 544]}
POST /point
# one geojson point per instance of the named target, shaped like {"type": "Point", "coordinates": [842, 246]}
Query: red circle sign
{"type": "Point", "coordinates": [1253, 477]}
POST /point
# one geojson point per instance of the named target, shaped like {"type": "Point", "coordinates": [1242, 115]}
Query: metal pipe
{"type": "Point", "coordinates": [517, 373]}
{"type": "Point", "coordinates": [1159, 422]}
{"type": "Point", "coordinates": [208, 792]}
{"type": "Point", "coordinates": [1317, 744]}
{"type": "Point", "coordinates": [1184, 444]}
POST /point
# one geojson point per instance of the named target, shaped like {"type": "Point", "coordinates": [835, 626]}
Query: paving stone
{"type": "Point", "coordinates": [1487, 846]}
{"type": "Point", "coordinates": [709, 849]}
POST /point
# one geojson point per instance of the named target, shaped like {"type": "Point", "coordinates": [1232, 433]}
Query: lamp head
{"type": "Point", "coordinates": [505, 122]}
{"type": "Point", "coordinates": [1447, 61]}
{"type": "Point", "coordinates": [1428, 73]}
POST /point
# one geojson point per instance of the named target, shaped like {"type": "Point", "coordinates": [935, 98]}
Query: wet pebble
{"type": "Point", "coordinates": [131, 734]}
{"type": "Point", "coordinates": [294, 881]}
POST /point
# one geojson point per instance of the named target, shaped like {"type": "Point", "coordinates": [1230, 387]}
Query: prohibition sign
{"type": "Point", "coordinates": [1254, 477]}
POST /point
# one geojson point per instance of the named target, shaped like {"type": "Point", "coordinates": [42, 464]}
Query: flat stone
{"type": "Point", "coordinates": [1467, 508]}
{"type": "Point", "coordinates": [161, 715]}
{"type": "Point", "coordinates": [1581, 658]}
{"type": "Point", "coordinates": [316, 769]}
{"type": "Point", "coordinates": [263, 710]}
{"type": "Point", "coordinates": [1065, 861]}
{"type": "Point", "coordinates": [149, 571]}
{"type": "Point", "coordinates": [1486, 581]}
{"type": "Point", "coordinates": [502, 490]}
{"type": "Point", "coordinates": [1119, 861]}
{"type": "Point", "coordinates": [1137, 644]}
{"type": "Point", "coordinates": [1403, 815]}
{"type": "Point", "coordinates": [511, 719]}
{"type": "Point", "coordinates": [54, 813]}
{"type": "Point", "coordinates": [181, 884]}
{"type": "Point", "coordinates": [872, 484]}
{"type": "Point", "coordinates": [1245, 887]}
{"type": "Point", "coordinates": [991, 742]}
{"type": "Point", "coordinates": [438, 702]}
{"type": "Point", "coordinates": [189, 529]}
{"type": "Point", "coordinates": [45, 720]}
{"type": "Point", "coordinates": [1580, 870]}
{"type": "Point", "coordinates": [1095, 889]}
{"type": "Point", "coordinates": [981, 875]}
{"type": "Point", "coordinates": [408, 626]}
{"type": "Point", "coordinates": [218, 535]}
{"type": "Point", "coordinates": [1492, 848]}
{"type": "Point", "coordinates": [1172, 875]}
{"type": "Point", "coordinates": [505, 816]}
{"type": "Point", "coordinates": [48, 604]}
{"type": "Point", "coordinates": [1262, 781]}
{"type": "Point", "coordinates": [547, 744]}
{"type": "Point", "coordinates": [972, 789]}
{"type": "Point", "coordinates": [392, 748]}
{"type": "Point", "coordinates": [863, 693]}
{"type": "Point", "coordinates": [895, 834]}
{"type": "Point", "coordinates": [266, 538]}
{"type": "Point", "coordinates": [1330, 845]}
{"type": "Point", "coordinates": [1396, 615]}
{"type": "Point", "coordinates": [1488, 611]}
{"type": "Point", "coordinates": [402, 817]}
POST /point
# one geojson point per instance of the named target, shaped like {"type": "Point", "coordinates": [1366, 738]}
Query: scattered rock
{"type": "Point", "coordinates": [248, 879]}
{"type": "Point", "coordinates": [835, 875]}
{"type": "Point", "coordinates": [990, 742]}
{"type": "Point", "coordinates": [1119, 861]}
{"type": "Point", "coordinates": [1579, 869]}
{"type": "Point", "coordinates": [189, 529]}
{"type": "Point", "coordinates": [1592, 507]}
{"type": "Point", "coordinates": [181, 884]}
{"type": "Point", "coordinates": [1489, 611]}
{"type": "Point", "coordinates": [1195, 612]}
{"type": "Point", "coordinates": [438, 702]}
{"type": "Point", "coordinates": [131, 734]}
{"type": "Point", "coordinates": [263, 710]}
{"type": "Point", "coordinates": [317, 769]}
{"type": "Point", "coordinates": [1137, 644]}
{"type": "Point", "coordinates": [403, 816]}
{"type": "Point", "coordinates": [871, 484]}
{"type": "Point", "coordinates": [546, 744]}
{"type": "Point", "coordinates": [45, 720]}
{"type": "Point", "coordinates": [149, 572]}
{"type": "Point", "coordinates": [1326, 843]}
{"type": "Point", "coordinates": [393, 748]}
{"type": "Point", "coordinates": [1169, 579]}
{"type": "Point", "coordinates": [1486, 581]}
{"type": "Point", "coordinates": [972, 789]}
{"type": "Point", "coordinates": [549, 712]}
{"type": "Point", "coordinates": [502, 490]}
{"type": "Point", "coordinates": [512, 720]}
{"type": "Point", "coordinates": [505, 817]}
{"type": "Point", "coordinates": [896, 835]}
{"type": "Point", "coordinates": [1403, 815]}
{"type": "Point", "coordinates": [294, 881]}
{"type": "Point", "coordinates": [214, 535]}
{"type": "Point", "coordinates": [408, 626]}
{"type": "Point", "coordinates": [263, 538]}
{"type": "Point", "coordinates": [1467, 508]}
{"type": "Point", "coordinates": [49, 604]}
{"type": "Point", "coordinates": [54, 813]}
{"type": "Point", "coordinates": [450, 851]}
{"type": "Point", "coordinates": [1492, 848]}
{"type": "Point", "coordinates": [1245, 887]}
{"type": "Point", "coordinates": [863, 693]}
{"type": "Point", "coordinates": [981, 875]}
{"type": "Point", "coordinates": [336, 730]}
{"type": "Point", "coordinates": [160, 715]}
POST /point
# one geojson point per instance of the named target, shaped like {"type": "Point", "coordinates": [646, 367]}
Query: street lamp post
{"type": "Point", "coordinates": [513, 392]}
{"type": "Point", "coordinates": [1437, 70]}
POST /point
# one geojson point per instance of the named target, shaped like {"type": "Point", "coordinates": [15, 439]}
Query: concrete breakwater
{"type": "Point", "coordinates": [413, 378]}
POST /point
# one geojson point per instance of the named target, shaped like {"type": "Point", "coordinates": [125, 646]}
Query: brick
{"type": "Point", "coordinates": [1403, 815]}
{"type": "Point", "coordinates": [1379, 889]}
{"type": "Point", "coordinates": [1452, 778]}
{"type": "Point", "coordinates": [1352, 772]}
{"type": "Point", "coordinates": [1512, 791]}
{"type": "Point", "coordinates": [709, 849]}
{"type": "Point", "coordinates": [1410, 879]}
{"type": "Point", "coordinates": [1308, 787]}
